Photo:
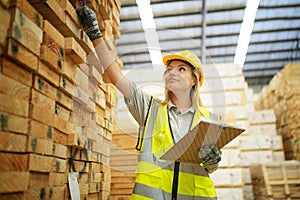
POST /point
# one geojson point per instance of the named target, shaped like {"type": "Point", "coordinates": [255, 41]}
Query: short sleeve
{"type": "Point", "coordinates": [138, 103]}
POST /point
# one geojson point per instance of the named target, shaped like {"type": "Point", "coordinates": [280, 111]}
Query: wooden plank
{"type": "Point", "coordinates": [50, 10]}
{"type": "Point", "coordinates": [25, 31]}
{"type": "Point", "coordinates": [14, 88]}
{"type": "Point", "coordinates": [66, 85]}
{"type": "Point", "coordinates": [40, 130]}
{"type": "Point", "coordinates": [38, 186]}
{"type": "Point", "coordinates": [262, 117]}
{"type": "Point", "coordinates": [53, 34]}
{"type": "Point", "coordinates": [104, 10]}
{"type": "Point", "coordinates": [86, 43]}
{"type": "Point", "coordinates": [59, 137]}
{"type": "Point", "coordinates": [4, 24]}
{"type": "Point", "coordinates": [64, 99]}
{"type": "Point", "coordinates": [20, 54]}
{"type": "Point", "coordinates": [94, 187]}
{"type": "Point", "coordinates": [105, 186]}
{"type": "Point", "coordinates": [40, 163]}
{"type": "Point", "coordinates": [42, 114]}
{"type": "Point", "coordinates": [64, 126]}
{"type": "Point", "coordinates": [62, 112]}
{"type": "Point", "coordinates": [14, 181]}
{"type": "Point", "coordinates": [13, 162]}
{"type": "Point", "coordinates": [57, 179]}
{"type": "Point", "coordinates": [95, 177]}
{"type": "Point", "coordinates": [57, 192]}
{"type": "Point", "coordinates": [106, 172]}
{"type": "Point", "coordinates": [96, 76]}
{"type": "Point", "coordinates": [75, 140]}
{"type": "Point", "coordinates": [69, 9]}
{"type": "Point", "coordinates": [59, 150]}
{"type": "Point", "coordinates": [59, 165]}
{"type": "Point", "coordinates": [14, 105]}
{"type": "Point", "coordinates": [121, 191]}
{"type": "Point", "coordinates": [52, 59]}
{"type": "Point", "coordinates": [95, 144]}
{"type": "Point", "coordinates": [16, 72]}
{"type": "Point", "coordinates": [28, 10]}
{"type": "Point", "coordinates": [82, 80]}
{"type": "Point", "coordinates": [104, 194]}
{"type": "Point", "coordinates": [13, 196]}
{"type": "Point", "coordinates": [74, 50]}
{"type": "Point", "coordinates": [128, 185]}
{"type": "Point", "coordinates": [231, 177]}
{"type": "Point", "coordinates": [48, 73]}
{"type": "Point", "coordinates": [108, 33]}
{"type": "Point", "coordinates": [99, 97]}
{"type": "Point", "coordinates": [13, 142]}
{"type": "Point", "coordinates": [40, 146]}
{"type": "Point", "coordinates": [82, 97]}
{"type": "Point", "coordinates": [230, 193]}
{"type": "Point", "coordinates": [69, 28]}
{"type": "Point", "coordinates": [41, 100]}
{"type": "Point", "coordinates": [90, 133]}
{"type": "Point", "coordinates": [70, 69]}
{"type": "Point", "coordinates": [44, 87]}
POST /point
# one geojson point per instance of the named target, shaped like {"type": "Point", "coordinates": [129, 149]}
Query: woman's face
{"type": "Point", "coordinates": [179, 77]}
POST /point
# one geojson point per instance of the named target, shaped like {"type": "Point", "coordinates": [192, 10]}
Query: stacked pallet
{"type": "Point", "coordinates": [278, 180]}
{"type": "Point", "coordinates": [56, 112]}
{"type": "Point", "coordinates": [283, 94]}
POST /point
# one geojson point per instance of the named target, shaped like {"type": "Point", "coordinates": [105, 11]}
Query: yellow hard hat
{"type": "Point", "coordinates": [188, 57]}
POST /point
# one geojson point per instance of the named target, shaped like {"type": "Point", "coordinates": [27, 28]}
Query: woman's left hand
{"type": "Point", "coordinates": [210, 156]}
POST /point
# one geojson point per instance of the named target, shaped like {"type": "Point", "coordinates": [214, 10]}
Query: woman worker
{"type": "Point", "coordinates": [162, 124]}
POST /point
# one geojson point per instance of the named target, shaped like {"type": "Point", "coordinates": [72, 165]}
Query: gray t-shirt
{"type": "Point", "coordinates": [138, 107]}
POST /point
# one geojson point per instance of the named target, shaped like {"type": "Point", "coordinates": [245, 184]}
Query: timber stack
{"type": "Point", "coordinates": [56, 110]}
{"type": "Point", "coordinates": [283, 94]}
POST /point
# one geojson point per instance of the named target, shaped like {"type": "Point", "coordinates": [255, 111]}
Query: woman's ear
{"type": "Point", "coordinates": [193, 82]}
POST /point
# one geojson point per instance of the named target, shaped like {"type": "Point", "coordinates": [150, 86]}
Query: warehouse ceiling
{"type": "Point", "coordinates": [211, 30]}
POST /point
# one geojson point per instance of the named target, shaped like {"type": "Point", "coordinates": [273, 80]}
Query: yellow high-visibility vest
{"type": "Point", "coordinates": [161, 179]}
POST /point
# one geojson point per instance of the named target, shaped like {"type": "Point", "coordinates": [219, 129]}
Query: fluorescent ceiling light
{"type": "Point", "coordinates": [148, 23]}
{"type": "Point", "coordinates": [246, 31]}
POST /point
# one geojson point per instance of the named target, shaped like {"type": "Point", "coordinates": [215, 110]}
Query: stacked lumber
{"type": "Point", "coordinates": [123, 163]}
{"type": "Point", "coordinates": [124, 137]}
{"type": "Point", "coordinates": [258, 144]}
{"type": "Point", "coordinates": [283, 94]}
{"type": "Point", "coordinates": [278, 180]}
{"type": "Point", "coordinates": [56, 111]}
{"type": "Point", "coordinates": [225, 94]}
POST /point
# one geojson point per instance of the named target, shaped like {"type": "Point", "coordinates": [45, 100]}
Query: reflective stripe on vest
{"type": "Point", "coordinates": [155, 177]}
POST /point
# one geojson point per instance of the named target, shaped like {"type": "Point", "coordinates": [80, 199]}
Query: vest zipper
{"type": "Point", "coordinates": [175, 181]}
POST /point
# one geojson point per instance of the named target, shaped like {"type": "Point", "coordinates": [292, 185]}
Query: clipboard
{"type": "Point", "coordinates": [205, 133]}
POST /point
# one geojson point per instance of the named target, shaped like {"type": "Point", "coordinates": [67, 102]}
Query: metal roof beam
{"type": "Point", "coordinates": [274, 36]}
{"type": "Point", "coordinates": [278, 3]}
{"type": "Point", "coordinates": [276, 25]}
{"type": "Point", "coordinates": [261, 73]}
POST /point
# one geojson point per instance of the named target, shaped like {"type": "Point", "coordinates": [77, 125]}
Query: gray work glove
{"type": "Point", "coordinates": [88, 19]}
{"type": "Point", "coordinates": [210, 156]}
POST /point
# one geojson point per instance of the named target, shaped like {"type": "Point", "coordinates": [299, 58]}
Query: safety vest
{"type": "Point", "coordinates": [160, 179]}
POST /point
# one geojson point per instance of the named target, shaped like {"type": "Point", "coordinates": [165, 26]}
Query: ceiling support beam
{"type": "Point", "coordinates": [203, 44]}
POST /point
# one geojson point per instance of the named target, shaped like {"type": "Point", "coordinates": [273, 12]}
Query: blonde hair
{"type": "Point", "coordinates": [194, 93]}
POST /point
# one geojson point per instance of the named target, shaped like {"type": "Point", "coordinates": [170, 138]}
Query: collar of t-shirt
{"type": "Point", "coordinates": [178, 110]}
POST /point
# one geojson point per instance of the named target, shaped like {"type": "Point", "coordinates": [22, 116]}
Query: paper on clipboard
{"type": "Point", "coordinates": [205, 133]}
